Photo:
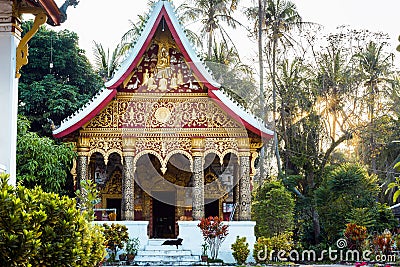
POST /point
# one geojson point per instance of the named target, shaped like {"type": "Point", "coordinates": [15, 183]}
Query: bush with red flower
{"type": "Point", "coordinates": [355, 235]}
{"type": "Point", "coordinates": [214, 233]}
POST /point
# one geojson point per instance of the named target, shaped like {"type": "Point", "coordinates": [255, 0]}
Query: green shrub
{"type": "Point", "coordinates": [240, 250]}
{"type": "Point", "coordinates": [116, 236]}
{"type": "Point", "coordinates": [272, 209]}
{"type": "Point", "coordinates": [44, 229]}
{"type": "Point", "coordinates": [264, 246]}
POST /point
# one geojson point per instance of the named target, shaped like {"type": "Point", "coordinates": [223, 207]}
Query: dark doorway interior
{"type": "Point", "coordinates": [163, 215]}
{"type": "Point", "coordinates": [211, 208]}
{"type": "Point", "coordinates": [115, 203]}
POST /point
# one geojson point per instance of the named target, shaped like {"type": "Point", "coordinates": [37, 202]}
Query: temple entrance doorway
{"type": "Point", "coordinates": [163, 214]}
{"type": "Point", "coordinates": [115, 203]}
{"type": "Point", "coordinates": [211, 208]}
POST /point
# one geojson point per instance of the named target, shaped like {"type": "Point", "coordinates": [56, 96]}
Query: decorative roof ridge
{"type": "Point", "coordinates": [87, 104]}
{"type": "Point", "coordinates": [84, 110]}
{"type": "Point", "coordinates": [250, 121]}
{"type": "Point", "coordinates": [239, 105]}
{"type": "Point", "coordinates": [162, 8]}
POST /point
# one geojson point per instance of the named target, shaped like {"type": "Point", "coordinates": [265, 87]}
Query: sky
{"type": "Point", "coordinates": [106, 21]}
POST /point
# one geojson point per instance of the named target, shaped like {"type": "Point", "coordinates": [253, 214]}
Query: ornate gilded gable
{"type": "Point", "coordinates": [162, 68]}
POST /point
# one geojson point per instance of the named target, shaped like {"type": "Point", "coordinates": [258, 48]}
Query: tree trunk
{"type": "Point", "coordinates": [210, 40]}
{"type": "Point", "coordinates": [316, 225]}
{"type": "Point", "coordinates": [276, 144]}
{"type": "Point", "coordinates": [371, 128]}
{"type": "Point", "coordinates": [261, 69]}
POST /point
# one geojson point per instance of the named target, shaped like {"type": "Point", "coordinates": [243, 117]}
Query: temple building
{"type": "Point", "coordinates": [162, 140]}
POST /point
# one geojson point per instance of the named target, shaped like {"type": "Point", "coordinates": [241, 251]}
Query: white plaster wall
{"type": "Point", "coordinates": [8, 102]}
{"type": "Point", "coordinates": [192, 238]}
{"type": "Point", "coordinates": [135, 229]}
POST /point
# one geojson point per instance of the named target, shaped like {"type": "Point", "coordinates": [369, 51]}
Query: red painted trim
{"type": "Point", "coordinates": [178, 41]}
{"type": "Point", "coordinates": [140, 53]}
{"type": "Point", "coordinates": [237, 117]}
{"type": "Point", "coordinates": [163, 13]}
{"type": "Point", "coordinates": [52, 11]}
{"type": "Point", "coordinates": [88, 117]}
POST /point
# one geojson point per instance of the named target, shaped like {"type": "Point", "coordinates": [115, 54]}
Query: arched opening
{"type": "Point", "coordinates": [167, 191]}
{"type": "Point", "coordinates": [108, 179]}
{"type": "Point", "coordinates": [219, 183]}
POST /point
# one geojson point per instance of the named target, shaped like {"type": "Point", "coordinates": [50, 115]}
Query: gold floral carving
{"type": "Point", "coordinates": [163, 146]}
{"type": "Point", "coordinates": [164, 112]}
{"type": "Point", "coordinates": [254, 155]}
{"type": "Point", "coordinates": [105, 144]}
{"type": "Point", "coordinates": [221, 144]}
{"type": "Point", "coordinates": [114, 184]}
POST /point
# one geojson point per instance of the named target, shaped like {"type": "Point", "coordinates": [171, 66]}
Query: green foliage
{"type": "Point", "coordinates": [234, 76]}
{"type": "Point", "coordinates": [204, 248]}
{"type": "Point", "coordinates": [106, 63]}
{"type": "Point", "coordinates": [87, 196]}
{"type": "Point", "coordinates": [55, 93]}
{"type": "Point", "coordinates": [362, 217]}
{"type": "Point", "coordinates": [347, 188]}
{"type": "Point", "coordinates": [40, 161]}
{"type": "Point", "coordinates": [272, 209]}
{"type": "Point", "coordinates": [240, 250]}
{"type": "Point", "coordinates": [19, 225]}
{"type": "Point", "coordinates": [384, 218]}
{"type": "Point", "coordinates": [132, 245]}
{"type": "Point", "coordinates": [116, 235]}
{"type": "Point", "coordinates": [264, 246]}
{"type": "Point", "coordinates": [43, 229]}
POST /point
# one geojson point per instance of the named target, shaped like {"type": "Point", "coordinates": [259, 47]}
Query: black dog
{"type": "Point", "coordinates": [175, 242]}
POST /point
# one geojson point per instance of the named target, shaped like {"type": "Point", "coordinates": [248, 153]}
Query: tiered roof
{"type": "Point", "coordinates": [162, 10]}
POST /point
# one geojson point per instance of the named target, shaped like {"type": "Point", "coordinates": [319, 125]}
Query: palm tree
{"type": "Point", "coordinates": [375, 67]}
{"type": "Point", "coordinates": [335, 80]}
{"type": "Point", "coordinates": [235, 77]}
{"type": "Point", "coordinates": [280, 17]}
{"type": "Point", "coordinates": [183, 12]}
{"type": "Point", "coordinates": [275, 18]}
{"type": "Point", "coordinates": [211, 13]}
{"type": "Point", "coordinates": [105, 64]}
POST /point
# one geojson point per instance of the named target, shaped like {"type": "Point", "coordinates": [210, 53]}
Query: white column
{"type": "Point", "coordinates": [9, 40]}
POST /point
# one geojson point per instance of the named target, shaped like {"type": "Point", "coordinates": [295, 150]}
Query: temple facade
{"type": "Point", "coordinates": [162, 141]}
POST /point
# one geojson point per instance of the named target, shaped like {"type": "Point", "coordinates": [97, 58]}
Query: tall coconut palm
{"type": "Point", "coordinates": [105, 64]}
{"type": "Point", "coordinates": [276, 18]}
{"type": "Point", "coordinates": [211, 14]}
{"type": "Point", "coordinates": [375, 66]}
{"type": "Point", "coordinates": [280, 17]}
{"type": "Point", "coordinates": [183, 12]}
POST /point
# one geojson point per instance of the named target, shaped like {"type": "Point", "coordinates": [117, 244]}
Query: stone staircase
{"type": "Point", "coordinates": [156, 254]}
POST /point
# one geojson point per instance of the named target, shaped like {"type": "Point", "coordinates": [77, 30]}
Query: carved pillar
{"type": "Point", "coordinates": [244, 183]}
{"type": "Point", "coordinates": [82, 170]}
{"type": "Point", "coordinates": [128, 180]}
{"type": "Point", "coordinates": [236, 192]}
{"type": "Point", "coordinates": [198, 178]}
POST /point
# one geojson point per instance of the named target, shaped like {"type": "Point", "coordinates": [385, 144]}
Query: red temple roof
{"type": "Point", "coordinates": [162, 10]}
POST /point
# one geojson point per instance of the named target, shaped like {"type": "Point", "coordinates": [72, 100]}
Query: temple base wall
{"type": "Point", "coordinates": [193, 239]}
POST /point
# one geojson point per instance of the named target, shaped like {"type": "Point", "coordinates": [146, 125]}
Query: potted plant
{"type": "Point", "coordinates": [204, 256]}
{"type": "Point", "coordinates": [214, 233]}
{"type": "Point", "coordinates": [132, 246]}
{"type": "Point", "coordinates": [116, 236]}
{"type": "Point", "coordinates": [122, 256]}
